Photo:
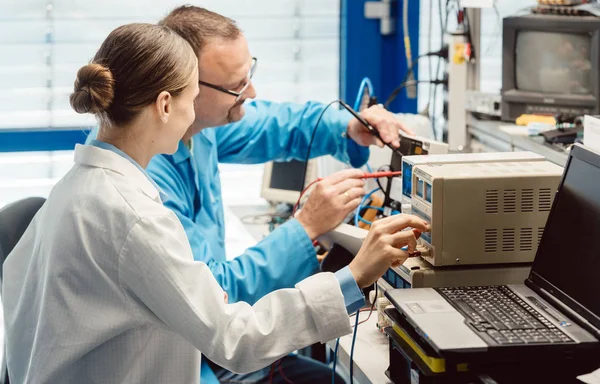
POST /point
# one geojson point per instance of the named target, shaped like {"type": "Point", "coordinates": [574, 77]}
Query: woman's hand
{"type": "Point", "coordinates": [381, 248]}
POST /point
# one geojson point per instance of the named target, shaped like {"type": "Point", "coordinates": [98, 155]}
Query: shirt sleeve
{"type": "Point", "coordinates": [157, 270]}
{"type": "Point", "coordinates": [282, 132]}
{"type": "Point", "coordinates": [353, 296]}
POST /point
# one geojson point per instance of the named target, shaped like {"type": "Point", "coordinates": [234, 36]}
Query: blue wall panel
{"type": "Point", "coordinates": [56, 139]}
{"type": "Point", "coordinates": [365, 52]}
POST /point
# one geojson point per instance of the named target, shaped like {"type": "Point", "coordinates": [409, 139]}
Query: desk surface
{"type": "Point", "coordinates": [490, 133]}
{"type": "Point", "coordinates": [371, 352]}
{"type": "Point", "coordinates": [259, 229]}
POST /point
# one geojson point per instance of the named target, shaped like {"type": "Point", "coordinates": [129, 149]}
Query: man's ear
{"type": "Point", "coordinates": [164, 106]}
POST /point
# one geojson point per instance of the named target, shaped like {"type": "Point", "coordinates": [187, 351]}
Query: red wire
{"type": "Point", "coordinates": [271, 372]}
{"type": "Point", "coordinates": [368, 317]}
{"type": "Point", "coordinates": [374, 175]}
{"type": "Point", "coordinates": [302, 193]}
{"type": "Point", "coordinates": [378, 175]}
{"type": "Point", "coordinates": [282, 375]}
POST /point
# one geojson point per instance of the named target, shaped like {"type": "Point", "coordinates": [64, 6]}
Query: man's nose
{"type": "Point", "coordinates": [251, 91]}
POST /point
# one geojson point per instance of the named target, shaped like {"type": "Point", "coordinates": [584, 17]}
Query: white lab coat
{"type": "Point", "coordinates": [103, 288]}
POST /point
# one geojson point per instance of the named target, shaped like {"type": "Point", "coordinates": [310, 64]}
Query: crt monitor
{"type": "Point", "coordinates": [550, 65]}
{"type": "Point", "coordinates": [283, 181]}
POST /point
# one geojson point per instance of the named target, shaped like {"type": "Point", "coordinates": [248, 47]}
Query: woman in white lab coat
{"type": "Point", "coordinates": [103, 288]}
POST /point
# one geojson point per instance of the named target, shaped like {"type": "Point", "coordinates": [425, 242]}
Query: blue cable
{"type": "Point", "coordinates": [352, 349]}
{"type": "Point", "coordinates": [337, 345]}
{"type": "Point", "coordinates": [357, 213]}
{"type": "Point", "coordinates": [361, 88]}
{"type": "Point", "coordinates": [365, 221]}
{"type": "Point", "coordinates": [369, 168]}
{"type": "Point", "coordinates": [372, 207]}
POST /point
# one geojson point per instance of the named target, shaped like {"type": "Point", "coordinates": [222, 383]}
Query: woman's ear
{"type": "Point", "coordinates": [164, 106]}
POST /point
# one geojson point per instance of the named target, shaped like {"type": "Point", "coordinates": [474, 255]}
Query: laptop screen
{"type": "Point", "coordinates": [568, 258]}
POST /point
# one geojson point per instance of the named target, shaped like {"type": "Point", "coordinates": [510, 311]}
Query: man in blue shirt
{"type": "Point", "coordinates": [257, 132]}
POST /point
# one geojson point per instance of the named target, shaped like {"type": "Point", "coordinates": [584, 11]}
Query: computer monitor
{"type": "Point", "coordinates": [550, 65]}
{"type": "Point", "coordinates": [567, 263]}
{"type": "Point", "coordinates": [282, 181]}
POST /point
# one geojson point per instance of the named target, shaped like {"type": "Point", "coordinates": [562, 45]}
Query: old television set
{"type": "Point", "coordinates": [550, 65]}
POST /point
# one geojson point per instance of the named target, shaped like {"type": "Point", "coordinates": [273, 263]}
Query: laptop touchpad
{"type": "Point", "coordinates": [430, 306]}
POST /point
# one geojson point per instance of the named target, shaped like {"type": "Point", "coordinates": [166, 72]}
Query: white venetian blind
{"type": "Point", "coordinates": [43, 44]}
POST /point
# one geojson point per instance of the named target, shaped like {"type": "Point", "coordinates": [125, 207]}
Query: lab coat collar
{"type": "Point", "coordinates": [103, 158]}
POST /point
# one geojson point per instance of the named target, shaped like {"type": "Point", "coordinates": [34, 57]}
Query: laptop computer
{"type": "Point", "coordinates": [558, 307]}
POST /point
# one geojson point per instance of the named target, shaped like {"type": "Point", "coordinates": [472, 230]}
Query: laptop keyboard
{"type": "Point", "coordinates": [503, 316]}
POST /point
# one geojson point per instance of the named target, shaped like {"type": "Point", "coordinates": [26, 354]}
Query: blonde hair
{"type": "Point", "coordinates": [133, 65]}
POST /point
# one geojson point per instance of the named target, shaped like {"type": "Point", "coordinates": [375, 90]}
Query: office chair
{"type": "Point", "coordinates": [14, 220]}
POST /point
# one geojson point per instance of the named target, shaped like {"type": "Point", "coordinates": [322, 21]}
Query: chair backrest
{"type": "Point", "coordinates": [14, 220]}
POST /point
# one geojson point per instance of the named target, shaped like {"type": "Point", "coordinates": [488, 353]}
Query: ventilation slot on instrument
{"type": "Point", "coordinates": [491, 240]}
{"type": "Point", "coordinates": [545, 200]}
{"type": "Point", "coordinates": [491, 201]}
{"type": "Point", "coordinates": [510, 201]}
{"type": "Point", "coordinates": [539, 235]}
{"type": "Point", "coordinates": [508, 240]}
{"type": "Point", "coordinates": [526, 241]}
{"type": "Point", "coordinates": [527, 200]}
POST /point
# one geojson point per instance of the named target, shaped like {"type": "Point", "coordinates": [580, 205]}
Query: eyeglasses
{"type": "Point", "coordinates": [238, 94]}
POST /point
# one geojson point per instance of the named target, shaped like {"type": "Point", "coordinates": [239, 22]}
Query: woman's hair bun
{"type": "Point", "coordinates": [94, 89]}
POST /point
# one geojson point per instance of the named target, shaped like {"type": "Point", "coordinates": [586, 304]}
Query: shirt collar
{"type": "Point", "coordinates": [112, 148]}
{"type": "Point", "coordinates": [183, 153]}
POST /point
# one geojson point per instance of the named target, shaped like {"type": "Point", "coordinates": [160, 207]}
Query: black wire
{"type": "Point", "coordinates": [312, 139]}
{"type": "Point", "coordinates": [381, 169]}
{"type": "Point", "coordinates": [429, 63]}
{"type": "Point", "coordinates": [443, 27]}
{"type": "Point", "coordinates": [403, 84]}
{"type": "Point", "coordinates": [410, 83]}
{"type": "Point", "coordinates": [379, 185]}
{"type": "Point", "coordinates": [437, 70]}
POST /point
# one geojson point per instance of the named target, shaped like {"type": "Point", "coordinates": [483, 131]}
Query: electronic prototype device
{"type": "Point", "coordinates": [283, 181]}
{"type": "Point", "coordinates": [550, 65]}
{"type": "Point", "coordinates": [399, 190]}
{"type": "Point", "coordinates": [483, 213]}
{"type": "Point", "coordinates": [410, 145]}
{"type": "Point", "coordinates": [417, 273]}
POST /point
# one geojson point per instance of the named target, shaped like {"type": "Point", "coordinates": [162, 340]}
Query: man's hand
{"type": "Point", "coordinates": [381, 248]}
{"type": "Point", "coordinates": [331, 201]}
{"type": "Point", "coordinates": [383, 121]}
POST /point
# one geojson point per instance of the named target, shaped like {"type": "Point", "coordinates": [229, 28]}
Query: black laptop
{"type": "Point", "coordinates": [558, 307]}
